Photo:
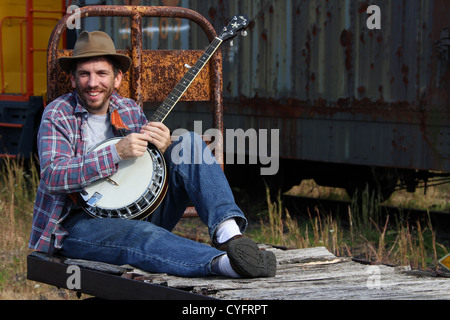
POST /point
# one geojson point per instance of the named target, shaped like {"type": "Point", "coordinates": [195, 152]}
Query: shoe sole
{"type": "Point", "coordinates": [250, 262]}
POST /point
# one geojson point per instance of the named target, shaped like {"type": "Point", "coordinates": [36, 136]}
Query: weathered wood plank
{"type": "Point", "coordinates": [316, 274]}
{"type": "Point", "coordinates": [307, 274]}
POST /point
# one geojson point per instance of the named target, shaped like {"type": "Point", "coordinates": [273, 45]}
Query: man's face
{"type": "Point", "coordinates": [95, 82]}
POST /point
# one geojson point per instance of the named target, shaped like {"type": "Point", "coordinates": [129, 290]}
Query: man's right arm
{"type": "Point", "coordinates": [64, 167]}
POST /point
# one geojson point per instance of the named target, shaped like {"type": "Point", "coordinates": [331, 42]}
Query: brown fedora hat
{"type": "Point", "coordinates": [94, 44]}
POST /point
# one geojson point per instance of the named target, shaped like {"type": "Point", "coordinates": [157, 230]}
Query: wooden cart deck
{"type": "Point", "coordinates": [306, 274]}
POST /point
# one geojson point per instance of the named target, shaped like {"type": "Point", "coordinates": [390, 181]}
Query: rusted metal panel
{"type": "Point", "coordinates": [317, 52]}
{"type": "Point", "coordinates": [337, 90]}
{"type": "Point", "coordinates": [162, 71]}
{"type": "Point", "coordinates": [164, 68]}
{"type": "Point", "coordinates": [321, 51]}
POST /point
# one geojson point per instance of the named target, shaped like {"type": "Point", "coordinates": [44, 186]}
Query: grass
{"type": "Point", "coordinates": [18, 185]}
{"type": "Point", "coordinates": [364, 234]}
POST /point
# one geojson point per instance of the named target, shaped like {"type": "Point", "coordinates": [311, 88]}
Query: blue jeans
{"type": "Point", "coordinates": [150, 245]}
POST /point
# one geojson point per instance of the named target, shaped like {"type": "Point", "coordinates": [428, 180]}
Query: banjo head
{"type": "Point", "coordinates": [133, 192]}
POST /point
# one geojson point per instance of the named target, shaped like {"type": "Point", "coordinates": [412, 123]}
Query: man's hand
{"type": "Point", "coordinates": [159, 135]}
{"type": "Point", "coordinates": [133, 146]}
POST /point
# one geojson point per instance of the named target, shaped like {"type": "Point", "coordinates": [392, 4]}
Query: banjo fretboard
{"type": "Point", "coordinates": [166, 107]}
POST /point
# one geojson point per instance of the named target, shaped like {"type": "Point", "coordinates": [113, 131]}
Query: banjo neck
{"type": "Point", "coordinates": [236, 24]}
{"type": "Point", "coordinates": [172, 99]}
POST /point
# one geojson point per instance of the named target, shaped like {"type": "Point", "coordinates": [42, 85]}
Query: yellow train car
{"type": "Point", "coordinates": [25, 29]}
{"type": "Point", "coordinates": [26, 26]}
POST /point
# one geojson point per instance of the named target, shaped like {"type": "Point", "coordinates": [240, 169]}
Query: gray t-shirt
{"type": "Point", "coordinates": [99, 129]}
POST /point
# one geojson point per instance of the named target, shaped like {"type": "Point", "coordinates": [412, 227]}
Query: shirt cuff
{"type": "Point", "coordinates": [115, 154]}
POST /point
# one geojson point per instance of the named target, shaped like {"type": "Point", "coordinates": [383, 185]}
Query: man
{"type": "Point", "coordinates": [74, 123]}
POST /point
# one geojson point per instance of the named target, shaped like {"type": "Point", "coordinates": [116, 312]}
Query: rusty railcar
{"type": "Point", "coordinates": [354, 103]}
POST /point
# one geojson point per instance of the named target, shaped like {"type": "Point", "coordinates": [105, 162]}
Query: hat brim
{"type": "Point", "coordinates": [66, 63]}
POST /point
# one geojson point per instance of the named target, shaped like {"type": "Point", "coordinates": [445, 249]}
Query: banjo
{"type": "Point", "coordinates": [140, 185]}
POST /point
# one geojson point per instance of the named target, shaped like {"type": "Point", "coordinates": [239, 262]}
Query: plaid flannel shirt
{"type": "Point", "coordinates": [66, 165]}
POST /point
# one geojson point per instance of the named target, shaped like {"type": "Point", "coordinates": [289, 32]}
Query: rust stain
{"type": "Point", "coordinates": [346, 42]}
{"type": "Point", "coordinates": [164, 68]}
{"type": "Point", "coordinates": [322, 108]}
{"type": "Point", "coordinates": [161, 72]}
